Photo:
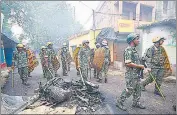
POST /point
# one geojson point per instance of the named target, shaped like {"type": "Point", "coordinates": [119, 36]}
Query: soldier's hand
{"type": "Point", "coordinates": [13, 67]}
{"type": "Point", "coordinates": [141, 66]}
{"type": "Point", "coordinates": [148, 69]}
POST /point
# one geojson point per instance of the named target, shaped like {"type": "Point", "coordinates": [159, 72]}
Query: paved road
{"type": "Point", "coordinates": [116, 83]}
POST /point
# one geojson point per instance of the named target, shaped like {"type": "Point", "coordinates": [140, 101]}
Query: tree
{"type": "Point", "coordinates": [42, 21]}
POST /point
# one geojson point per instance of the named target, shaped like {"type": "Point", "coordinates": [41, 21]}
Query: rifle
{"type": "Point", "coordinates": [141, 70]}
{"type": "Point", "coordinates": [12, 74]}
{"type": "Point", "coordinates": [81, 77]}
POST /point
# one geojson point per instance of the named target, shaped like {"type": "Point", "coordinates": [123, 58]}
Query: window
{"type": "Point", "coordinates": [165, 7]}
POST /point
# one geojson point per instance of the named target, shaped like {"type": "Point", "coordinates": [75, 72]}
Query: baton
{"type": "Point", "coordinates": [157, 85]}
{"type": "Point", "coordinates": [81, 77]}
{"type": "Point", "coordinates": [12, 74]}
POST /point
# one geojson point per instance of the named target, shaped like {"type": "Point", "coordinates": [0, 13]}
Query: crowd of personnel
{"type": "Point", "coordinates": [86, 58]}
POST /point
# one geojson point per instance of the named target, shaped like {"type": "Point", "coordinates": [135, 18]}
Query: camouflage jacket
{"type": "Point", "coordinates": [20, 58]}
{"type": "Point", "coordinates": [64, 54]}
{"type": "Point", "coordinates": [51, 54]}
{"type": "Point", "coordinates": [154, 57]}
{"type": "Point", "coordinates": [84, 56]}
{"type": "Point", "coordinates": [131, 55]}
{"type": "Point", "coordinates": [107, 54]}
{"type": "Point", "coordinates": [42, 57]}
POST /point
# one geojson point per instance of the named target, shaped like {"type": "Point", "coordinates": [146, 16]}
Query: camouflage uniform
{"type": "Point", "coordinates": [22, 64]}
{"type": "Point", "coordinates": [131, 77]}
{"type": "Point", "coordinates": [155, 61]}
{"type": "Point", "coordinates": [43, 62]}
{"type": "Point", "coordinates": [50, 69]}
{"type": "Point", "coordinates": [106, 63]}
{"type": "Point", "coordinates": [69, 59]}
{"type": "Point", "coordinates": [84, 60]}
{"type": "Point", "coordinates": [64, 57]}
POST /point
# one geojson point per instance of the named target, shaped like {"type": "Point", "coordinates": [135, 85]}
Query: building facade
{"type": "Point", "coordinates": [121, 14]}
{"type": "Point", "coordinates": [123, 17]}
{"type": "Point", "coordinates": [165, 10]}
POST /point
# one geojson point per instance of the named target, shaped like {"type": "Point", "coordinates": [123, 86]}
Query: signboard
{"type": "Point", "coordinates": [125, 25]}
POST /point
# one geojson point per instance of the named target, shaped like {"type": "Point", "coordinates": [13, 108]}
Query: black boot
{"type": "Point", "coordinates": [158, 93]}
{"type": "Point", "coordinates": [105, 80]}
{"type": "Point", "coordinates": [174, 107]}
{"type": "Point", "coordinates": [138, 105]}
{"type": "Point", "coordinates": [99, 80]}
{"type": "Point", "coordinates": [120, 105]}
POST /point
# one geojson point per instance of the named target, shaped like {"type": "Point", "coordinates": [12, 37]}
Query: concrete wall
{"type": "Point", "coordinates": [171, 10]}
{"type": "Point", "coordinates": [78, 40]}
{"type": "Point", "coordinates": [170, 43]}
{"type": "Point", "coordinates": [116, 7]}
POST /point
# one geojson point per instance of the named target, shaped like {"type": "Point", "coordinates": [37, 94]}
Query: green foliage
{"type": "Point", "coordinates": [42, 21]}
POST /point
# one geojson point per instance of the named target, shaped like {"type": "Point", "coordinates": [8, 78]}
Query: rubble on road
{"type": "Point", "coordinates": [59, 93]}
{"type": "Point", "coordinates": [170, 79]}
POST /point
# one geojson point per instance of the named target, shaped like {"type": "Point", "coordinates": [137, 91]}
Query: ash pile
{"type": "Point", "coordinates": [86, 96]}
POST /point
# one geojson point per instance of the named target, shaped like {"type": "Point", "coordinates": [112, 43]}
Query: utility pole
{"type": "Point", "coordinates": [94, 28]}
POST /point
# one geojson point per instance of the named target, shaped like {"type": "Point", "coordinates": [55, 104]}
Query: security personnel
{"type": "Point", "coordinates": [64, 57]}
{"type": "Point", "coordinates": [132, 64]}
{"type": "Point", "coordinates": [20, 56]}
{"type": "Point", "coordinates": [106, 63]}
{"type": "Point", "coordinates": [44, 63]}
{"type": "Point", "coordinates": [84, 59]}
{"type": "Point", "coordinates": [155, 60]}
{"type": "Point", "coordinates": [50, 56]}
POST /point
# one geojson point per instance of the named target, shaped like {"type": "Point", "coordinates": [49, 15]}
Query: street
{"type": "Point", "coordinates": [112, 89]}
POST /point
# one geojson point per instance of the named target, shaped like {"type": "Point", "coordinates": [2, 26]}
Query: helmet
{"type": "Point", "coordinates": [20, 46]}
{"type": "Point", "coordinates": [131, 37]}
{"type": "Point", "coordinates": [43, 47]}
{"type": "Point", "coordinates": [104, 42]}
{"type": "Point", "coordinates": [156, 39]}
{"type": "Point", "coordinates": [49, 43]}
{"type": "Point", "coordinates": [80, 45]}
{"type": "Point", "coordinates": [85, 41]}
{"type": "Point", "coordinates": [64, 44]}
{"type": "Point", "coordinates": [98, 44]}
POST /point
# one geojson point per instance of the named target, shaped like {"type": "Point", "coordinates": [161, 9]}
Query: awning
{"type": "Point", "coordinates": [170, 22]}
{"type": "Point", "coordinates": [7, 42]}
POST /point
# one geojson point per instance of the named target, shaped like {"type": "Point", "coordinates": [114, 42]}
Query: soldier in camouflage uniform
{"type": "Point", "coordinates": [132, 64]}
{"type": "Point", "coordinates": [69, 59]}
{"type": "Point", "coordinates": [20, 56]}
{"type": "Point", "coordinates": [42, 55]}
{"type": "Point", "coordinates": [50, 56]}
{"type": "Point", "coordinates": [64, 57]}
{"type": "Point", "coordinates": [106, 63]}
{"type": "Point", "coordinates": [84, 59]}
{"type": "Point", "coordinates": [155, 60]}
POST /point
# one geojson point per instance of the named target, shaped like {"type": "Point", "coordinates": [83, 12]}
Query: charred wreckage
{"type": "Point", "coordinates": [57, 92]}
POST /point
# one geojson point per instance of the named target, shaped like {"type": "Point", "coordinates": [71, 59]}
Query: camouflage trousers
{"type": "Point", "coordinates": [158, 75]}
{"type": "Point", "coordinates": [96, 72]}
{"type": "Point", "coordinates": [23, 72]}
{"type": "Point", "coordinates": [49, 73]}
{"type": "Point", "coordinates": [84, 72]}
{"type": "Point", "coordinates": [104, 70]}
{"type": "Point", "coordinates": [132, 88]}
{"type": "Point", "coordinates": [44, 69]}
{"type": "Point", "coordinates": [69, 63]}
{"type": "Point", "coordinates": [64, 67]}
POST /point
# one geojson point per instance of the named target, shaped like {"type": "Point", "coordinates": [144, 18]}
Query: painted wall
{"type": "Point", "coordinates": [78, 40]}
{"type": "Point", "coordinates": [170, 43]}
